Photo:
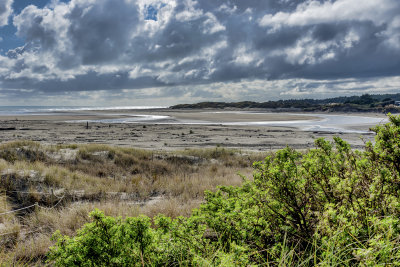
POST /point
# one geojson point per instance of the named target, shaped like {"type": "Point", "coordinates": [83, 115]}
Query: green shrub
{"type": "Point", "coordinates": [330, 206]}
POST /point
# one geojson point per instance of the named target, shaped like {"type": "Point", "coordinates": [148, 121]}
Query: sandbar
{"type": "Point", "coordinates": [60, 128]}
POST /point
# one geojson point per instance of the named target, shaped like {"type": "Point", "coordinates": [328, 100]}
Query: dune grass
{"type": "Point", "coordinates": [328, 206]}
{"type": "Point", "coordinates": [68, 181]}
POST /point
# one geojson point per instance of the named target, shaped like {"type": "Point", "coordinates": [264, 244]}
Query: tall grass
{"type": "Point", "coordinates": [121, 181]}
{"type": "Point", "coordinates": [329, 206]}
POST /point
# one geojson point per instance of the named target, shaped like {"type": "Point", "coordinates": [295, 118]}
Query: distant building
{"type": "Point", "coordinates": [397, 103]}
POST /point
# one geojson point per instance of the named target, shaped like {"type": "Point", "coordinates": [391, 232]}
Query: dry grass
{"type": "Point", "coordinates": [119, 181]}
{"type": "Point", "coordinates": [9, 225]}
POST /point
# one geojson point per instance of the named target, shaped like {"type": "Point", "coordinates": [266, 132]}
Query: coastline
{"type": "Point", "coordinates": [181, 129]}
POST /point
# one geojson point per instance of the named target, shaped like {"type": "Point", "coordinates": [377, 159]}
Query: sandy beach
{"type": "Point", "coordinates": [179, 129]}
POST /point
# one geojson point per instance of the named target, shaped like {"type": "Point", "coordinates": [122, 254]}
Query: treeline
{"type": "Point", "coordinates": [330, 206]}
{"type": "Point", "coordinates": [363, 103]}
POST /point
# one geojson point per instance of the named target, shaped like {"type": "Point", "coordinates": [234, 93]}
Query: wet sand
{"type": "Point", "coordinates": [54, 129]}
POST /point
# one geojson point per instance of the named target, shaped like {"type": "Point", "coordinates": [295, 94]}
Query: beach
{"type": "Point", "coordinates": [165, 129]}
{"type": "Point", "coordinates": [135, 162]}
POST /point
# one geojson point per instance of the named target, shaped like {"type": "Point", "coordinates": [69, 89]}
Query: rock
{"type": "Point", "coordinates": [102, 154]}
{"type": "Point", "coordinates": [7, 172]}
{"type": "Point", "coordinates": [31, 175]}
{"type": "Point", "coordinates": [65, 154]}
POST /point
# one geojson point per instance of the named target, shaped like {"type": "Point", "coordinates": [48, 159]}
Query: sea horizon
{"type": "Point", "coordinates": [34, 110]}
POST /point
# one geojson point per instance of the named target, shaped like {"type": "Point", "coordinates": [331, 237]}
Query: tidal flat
{"type": "Point", "coordinates": [164, 129]}
{"type": "Point", "coordinates": [56, 168]}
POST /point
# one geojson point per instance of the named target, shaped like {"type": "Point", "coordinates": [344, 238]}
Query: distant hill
{"type": "Point", "coordinates": [363, 103]}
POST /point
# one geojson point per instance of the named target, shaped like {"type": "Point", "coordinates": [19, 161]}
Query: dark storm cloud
{"type": "Point", "coordinates": [100, 32]}
{"type": "Point", "coordinates": [176, 41]}
{"type": "Point", "coordinates": [86, 82]}
{"type": "Point", "coordinates": [115, 44]}
{"type": "Point", "coordinates": [369, 57]}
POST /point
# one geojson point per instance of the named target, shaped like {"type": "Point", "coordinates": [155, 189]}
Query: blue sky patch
{"type": "Point", "coordinates": [151, 13]}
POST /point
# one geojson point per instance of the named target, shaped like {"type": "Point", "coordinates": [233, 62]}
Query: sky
{"type": "Point", "coordinates": [165, 52]}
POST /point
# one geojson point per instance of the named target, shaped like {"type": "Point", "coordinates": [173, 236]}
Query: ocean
{"type": "Point", "coordinates": [48, 110]}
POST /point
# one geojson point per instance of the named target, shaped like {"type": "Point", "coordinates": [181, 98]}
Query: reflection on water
{"type": "Point", "coordinates": [129, 119]}
{"type": "Point", "coordinates": [326, 123]}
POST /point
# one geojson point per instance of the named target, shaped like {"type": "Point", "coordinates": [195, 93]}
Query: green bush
{"type": "Point", "coordinates": [330, 206]}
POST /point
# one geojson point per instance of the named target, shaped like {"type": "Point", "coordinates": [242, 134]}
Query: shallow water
{"type": "Point", "coordinates": [326, 123]}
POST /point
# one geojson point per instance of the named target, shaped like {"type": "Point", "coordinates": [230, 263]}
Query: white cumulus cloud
{"type": "Point", "coordinates": [112, 45]}
{"type": "Point", "coordinates": [5, 11]}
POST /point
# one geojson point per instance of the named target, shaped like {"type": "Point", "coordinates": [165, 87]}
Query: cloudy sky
{"type": "Point", "coordinates": [163, 52]}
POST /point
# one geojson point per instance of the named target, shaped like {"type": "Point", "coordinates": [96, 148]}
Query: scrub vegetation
{"type": "Point", "coordinates": [327, 206]}
{"type": "Point", "coordinates": [58, 186]}
{"type": "Point", "coordinates": [365, 103]}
